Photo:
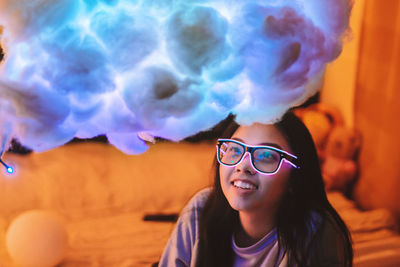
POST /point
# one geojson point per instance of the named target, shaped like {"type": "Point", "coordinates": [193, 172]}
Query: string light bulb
{"type": "Point", "coordinates": [9, 169]}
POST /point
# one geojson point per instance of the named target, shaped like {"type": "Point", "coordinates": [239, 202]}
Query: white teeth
{"type": "Point", "coordinates": [244, 185]}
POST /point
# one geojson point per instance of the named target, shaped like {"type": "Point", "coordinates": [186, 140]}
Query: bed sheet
{"type": "Point", "coordinates": [382, 252]}
{"type": "Point", "coordinates": [376, 242]}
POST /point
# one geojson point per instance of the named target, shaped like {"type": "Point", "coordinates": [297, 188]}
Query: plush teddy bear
{"type": "Point", "coordinates": [339, 166]}
{"type": "Point", "coordinates": [320, 119]}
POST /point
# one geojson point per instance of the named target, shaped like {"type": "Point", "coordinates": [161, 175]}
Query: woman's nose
{"type": "Point", "coordinates": [245, 165]}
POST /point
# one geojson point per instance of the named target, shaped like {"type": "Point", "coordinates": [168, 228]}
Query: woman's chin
{"type": "Point", "coordinates": [242, 205]}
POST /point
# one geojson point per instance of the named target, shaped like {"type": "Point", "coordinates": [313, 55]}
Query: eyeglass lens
{"type": "Point", "coordinates": [264, 159]}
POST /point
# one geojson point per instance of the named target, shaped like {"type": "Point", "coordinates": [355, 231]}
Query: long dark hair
{"type": "Point", "coordinates": [303, 213]}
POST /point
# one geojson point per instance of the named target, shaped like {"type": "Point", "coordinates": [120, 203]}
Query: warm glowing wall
{"type": "Point", "coordinates": [340, 77]}
{"type": "Point", "coordinates": [377, 107]}
{"type": "Point", "coordinates": [364, 83]}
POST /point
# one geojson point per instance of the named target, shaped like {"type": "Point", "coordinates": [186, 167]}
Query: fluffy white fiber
{"type": "Point", "coordinates": [164, 68]}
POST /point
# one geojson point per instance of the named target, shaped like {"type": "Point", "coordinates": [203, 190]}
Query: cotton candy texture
{"type": "Point", "coordinates": [161, 68]}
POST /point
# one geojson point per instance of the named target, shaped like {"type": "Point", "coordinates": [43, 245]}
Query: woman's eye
{"type": "Point", "coordinates": [266, 156]}
{"type": "Point", "coordinates": [235, 150]}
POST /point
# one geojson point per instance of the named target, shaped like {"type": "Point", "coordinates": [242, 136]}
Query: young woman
{"type": "Point", "coordinates": [268, 205]}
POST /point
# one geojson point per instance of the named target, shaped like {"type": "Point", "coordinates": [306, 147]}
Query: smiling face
{"type": "Point", "coordinates": [246, 189]}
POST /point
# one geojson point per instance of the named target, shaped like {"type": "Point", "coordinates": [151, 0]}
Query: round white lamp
{"type": "Point", "coordinates": [37, 238]}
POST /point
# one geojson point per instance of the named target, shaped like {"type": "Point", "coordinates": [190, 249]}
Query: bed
{"type": "Point", "coordinates": [103, 195]}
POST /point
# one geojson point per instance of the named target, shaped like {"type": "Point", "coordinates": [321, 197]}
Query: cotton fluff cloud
{"type": "Point", "coordinates": [166, 68]}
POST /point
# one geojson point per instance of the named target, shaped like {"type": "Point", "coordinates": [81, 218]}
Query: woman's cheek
{"type": "Point", "coordinates": [224, 174]}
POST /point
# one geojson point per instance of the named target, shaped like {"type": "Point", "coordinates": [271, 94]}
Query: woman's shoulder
{"type": "Point", "coordinates": [324, 221]}
{"type": "Point", "coordinates": [321, 219]}
{"type": "Point", "coordinates": [198, 201]}
{"type": "Point", "coordinates": [330, 245]}
{"type": "Point", "coordinates": [181, 249]}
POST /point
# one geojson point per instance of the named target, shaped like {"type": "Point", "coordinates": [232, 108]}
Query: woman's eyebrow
{"type": "Point", "coordinates": [261, 144]}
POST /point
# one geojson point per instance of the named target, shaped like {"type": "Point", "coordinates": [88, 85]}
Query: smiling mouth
{"type": "Point", "coordinates": [244, 185]}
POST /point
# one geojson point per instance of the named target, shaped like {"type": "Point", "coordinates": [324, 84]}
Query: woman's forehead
{"type": "Point", "coordinates": [258, 133]}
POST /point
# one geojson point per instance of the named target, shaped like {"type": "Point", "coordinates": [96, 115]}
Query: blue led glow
{"type": "Point", "coordinates": [10, 170]}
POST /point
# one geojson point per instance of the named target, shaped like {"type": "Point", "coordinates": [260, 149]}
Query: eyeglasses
{"type": "Point", "coordinates": [265, 159]}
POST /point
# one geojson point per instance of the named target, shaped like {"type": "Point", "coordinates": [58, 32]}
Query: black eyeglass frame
{"type": "Point", "coordinates": [284, 155]}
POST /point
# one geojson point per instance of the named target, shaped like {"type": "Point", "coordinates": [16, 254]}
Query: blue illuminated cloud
{"type": "Point", "coordinates": [163, 68]}
{"type": "Point", "coordinates": [196, 38]}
